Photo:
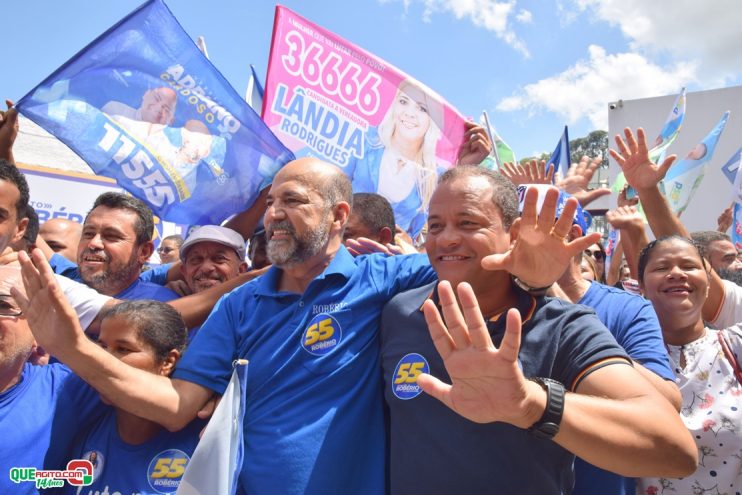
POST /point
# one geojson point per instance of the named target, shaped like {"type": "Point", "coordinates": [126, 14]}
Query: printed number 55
{"type": "Point", "coordinates": [322, 332]}
{"type": "Point", "coordinates": [408, 372]}
{"type": "Point", "coordinates": [169, 467]}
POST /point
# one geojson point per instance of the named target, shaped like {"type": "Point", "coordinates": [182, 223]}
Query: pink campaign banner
{"type": "Point", "coordinates": [327, 98]}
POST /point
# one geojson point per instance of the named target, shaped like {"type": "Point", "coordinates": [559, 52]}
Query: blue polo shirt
{"type": "Point", "coordinates": [434, 450]}
{"type": "Point", "coordinates": [39, 417]}
{"type": "Point", "coordinates": [314, 419]}
{"type": "Point", "coordinates": [140, 289]}
{"type": "Point", "coordinates": [632, 321]}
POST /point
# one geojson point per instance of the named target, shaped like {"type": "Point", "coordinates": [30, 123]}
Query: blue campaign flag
{"type": "Point", "coordinates": [254, 93]}
{"type": "Point", "coordinates": [143, 105]}
{"type": "Point", "coordinates": [684, 177]}
{"type": "Point", "coordinates": [731, 166]}
{"type": "Point", "coordinates": [560, 158]}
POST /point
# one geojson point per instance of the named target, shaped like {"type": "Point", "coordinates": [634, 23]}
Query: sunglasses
{"type": "Point", "coordinates": [597, 255]}
{"type": "Point", "coordinates": [165, 250]}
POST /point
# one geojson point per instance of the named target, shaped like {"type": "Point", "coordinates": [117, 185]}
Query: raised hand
{"type": "Point", "coordinates": [477, 145]}
{"type": "Point", "coordinates": [53, 322]}
{"type": "Point", "coordinates": [486, 383]}
{"type": "Point", "coordinates": [625, 217]}
{"type": "Point", "coordinates": [633, 158]}
{"type": "Point", "coordinates": [8, 131]}
{"type": "Point", "coordinates": [578, 178]}
{"type": "Point", "coordinates": [533, 172]}
{"type": "Point", "coordinates": [541, 251]}
{"type": "Point", "coordinates": [363, 245]}
{"type": "Point", "coordinates": [725, 219]}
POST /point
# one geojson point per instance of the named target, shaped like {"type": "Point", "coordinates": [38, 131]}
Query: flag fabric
{"type": "Point", "coordinates": [501, 152]}
{"type": "Point", "coordinates": [254, 93]}
{"type": "Point", "coordinates": [215, 465]}
{"type": "Point", "coordinates": [143, 105]}
{"type": "Point", "coordinates": [670, 130]}
{"type": "Point", "coordinates": [684, 177]}
{"type": "Point", "coordinates": [560, 158]}
{"type": "Point", "coordinates": [665, 138]}
{"type": "Point", "coordinates": [328, 98]}
{"type": "Point", "coordinates": [614, 236]}
{"type": "Point", "coordinates": [737, 199]}
{"type": "Point", "coordinates": [731, 167]}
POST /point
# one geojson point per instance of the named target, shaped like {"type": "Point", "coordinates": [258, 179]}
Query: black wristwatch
{"type": "Point", "coordinates": [534, 291]}
{"type": "Point", "coordinates": [548, 425]}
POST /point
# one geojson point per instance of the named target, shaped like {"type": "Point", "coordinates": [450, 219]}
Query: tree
{"type": "Point", "coordinates": [593, 145]}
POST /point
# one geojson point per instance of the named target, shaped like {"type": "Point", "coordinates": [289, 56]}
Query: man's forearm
{"type": "Point", "coordinates": [195, 308]}
{"type": "Point", "coordinates": [634, 433]}
{"type": "Point", "coordinates": [633, 437]}
{"type": "Point", "coordinates": [662, 220]}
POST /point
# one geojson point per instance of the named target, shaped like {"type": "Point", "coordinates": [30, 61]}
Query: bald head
{"type": "Point", "coordinates": [62, 236]}
{"type": "Point", "coordinates": [326, 179]}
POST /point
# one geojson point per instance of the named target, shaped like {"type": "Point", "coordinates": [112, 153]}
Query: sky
{"type": "Point", "coordinates": [534, 65]}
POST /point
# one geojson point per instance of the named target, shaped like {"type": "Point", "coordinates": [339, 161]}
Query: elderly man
{"type": "Point", "coordinates": [530, 428]}
{"type": "Point", "coordinates": [212, 255]}
{"type": "Point", "coordinates": [309, 328]}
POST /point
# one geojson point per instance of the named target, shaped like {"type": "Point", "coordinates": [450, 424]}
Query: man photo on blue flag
{"type": "Point", "coordinates": [143, 105]}
{"type": "Point", "coordinates": [684, 177]}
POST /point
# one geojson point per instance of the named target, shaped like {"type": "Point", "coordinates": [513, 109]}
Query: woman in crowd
{"type": "Point", "coordinates": [588, 269]}
{"type": "Point", "coordinates": [675, 278]}
{"type": "Point", "coordinates": [400, 161]}
{"type": "Point", "coordinates": [131, 454]}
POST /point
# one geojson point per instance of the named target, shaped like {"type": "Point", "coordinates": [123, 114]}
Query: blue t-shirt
{"type": "Point", "coordinates": [39, 417]}
{"type": "Point", "coordinates": [633, 322]}
{"type": "Point", "coordinates": [145, 290]}
{"type": "Point", "coordinates": [314, 418]}
{"type": "Point", "coordinates": [151, 468]}
{"type": "Point", "coordinates": [433, 449]}
{"type": "Point", "coordinates": [157, 274]}
{"type": "Point", "coordinates": [140, 289]}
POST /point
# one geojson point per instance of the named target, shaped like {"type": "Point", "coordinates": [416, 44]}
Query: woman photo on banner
{"type": "Point", "coordinates": [400, 160]}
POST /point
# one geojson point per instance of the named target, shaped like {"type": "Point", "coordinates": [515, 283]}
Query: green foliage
{"type": "Point", "coordinates": [592, 145]}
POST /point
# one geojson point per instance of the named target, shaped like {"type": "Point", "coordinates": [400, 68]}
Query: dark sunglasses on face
{"type": "Point", "coordinates": [597, 255]}
{"type": "Point", "coordinates": [165, 250]}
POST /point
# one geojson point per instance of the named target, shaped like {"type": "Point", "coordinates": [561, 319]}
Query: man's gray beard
{"type": "Point", "coordinates": [112, 283]}
{"type": "Point", "coordinates": [299, 249]}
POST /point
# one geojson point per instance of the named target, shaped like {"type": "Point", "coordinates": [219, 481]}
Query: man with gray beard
{"type": "Point", "coordinates": [116, 241]}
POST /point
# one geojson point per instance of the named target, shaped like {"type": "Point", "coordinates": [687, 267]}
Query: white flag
{"type": "Point", "coordinates": [216, 463]}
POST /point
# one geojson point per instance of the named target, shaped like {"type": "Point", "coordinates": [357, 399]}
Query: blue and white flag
{"type": "Point", "coordinates": [685, 176]}
{"type": "Point", "coordinates": [215, 465]}
{"type": "Point", "coordinates": [143, 105]}
{"type": "Point", "coordinates": [560, 159]}
{"type": "Point", "coordinates": [254, 93]}
{"type": "Point", "coordinates": [670, 129]}
{"type": "Point", "coordinates": [731, 167]}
